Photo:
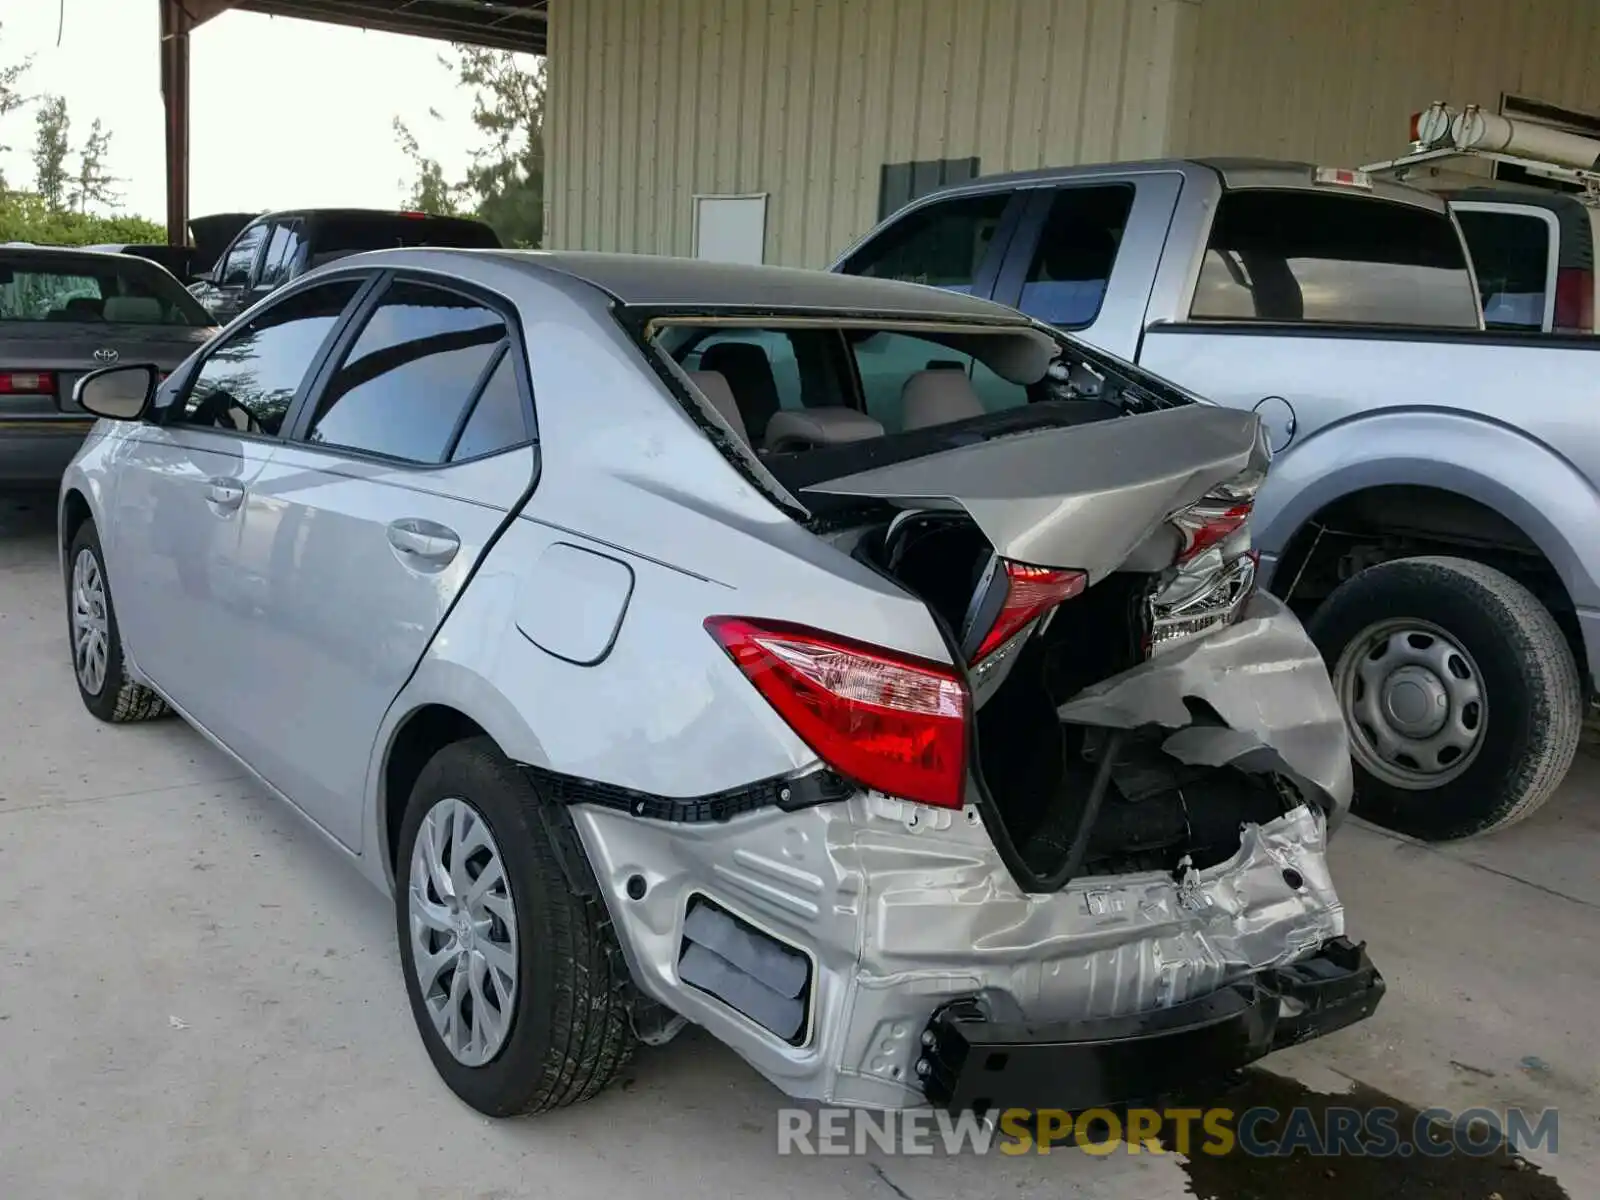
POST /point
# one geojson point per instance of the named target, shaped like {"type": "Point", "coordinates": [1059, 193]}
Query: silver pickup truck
{"type": "Point", "coordinates": [1432, 508]}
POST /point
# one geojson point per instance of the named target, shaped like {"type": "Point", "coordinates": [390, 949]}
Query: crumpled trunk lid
{"type": "Point", "coordinates": [1081, 498]}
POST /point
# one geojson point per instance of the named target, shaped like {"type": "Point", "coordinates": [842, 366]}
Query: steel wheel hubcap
{"type": "Point", "coordinates": [463, 931]}
{"type": "Point", "coordinates": [1413, 700]}
{"type": "Point", "coordinates": [90, 628]}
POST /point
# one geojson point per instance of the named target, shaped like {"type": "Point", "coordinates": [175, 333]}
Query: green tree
{"type": "Point", "coordinates": [25, 217]}
{"type": "Point", "coordinates": [430, 191]}
{"type": "Point", "coordinates": [94, 185]}
{"type": "Point", "coordinates": [11, 98]}
{"type": "Point", "coordinates": [50, 149]}
{"type": "Point", "coordinates": [504, 185]}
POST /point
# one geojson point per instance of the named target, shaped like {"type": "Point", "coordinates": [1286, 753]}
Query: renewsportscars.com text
{"type": "Point", "coordinates": [1259, 1131]}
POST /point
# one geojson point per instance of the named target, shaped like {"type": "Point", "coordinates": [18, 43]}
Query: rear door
{"type": "Point", "coordinates": [413, 449]}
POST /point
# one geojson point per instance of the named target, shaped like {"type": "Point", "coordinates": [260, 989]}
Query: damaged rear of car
{"type": "Point", "coordinates": [1075, 854]}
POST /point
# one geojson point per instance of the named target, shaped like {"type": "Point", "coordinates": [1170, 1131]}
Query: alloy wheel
{"type": "Point", "coordinates": [463, 931]}
{"type": "Point", "coordinates": [90, 624]}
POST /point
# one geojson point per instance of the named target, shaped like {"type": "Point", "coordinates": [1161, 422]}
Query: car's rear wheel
{"type": "Point", "coordinates": [96, 642]}
{"type": "Point", "coordinates": [514, 977]}
{"type": "Point", "coordinates": [1459, 691]}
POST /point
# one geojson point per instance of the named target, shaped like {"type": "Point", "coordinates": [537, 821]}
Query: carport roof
{"type": "Point", "coordinates": [503, 24]}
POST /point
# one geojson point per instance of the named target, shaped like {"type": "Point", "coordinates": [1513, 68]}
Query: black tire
{"type": "Point", "coordinates": [570, 1032]}
{"type": "Point", "coordinates": [1533, 699]}
{"type": "Point", "coordinates": [119, 701]}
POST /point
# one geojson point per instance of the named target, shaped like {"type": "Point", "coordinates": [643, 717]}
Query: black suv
{"type": "Point", "coordinates": [271, 250]}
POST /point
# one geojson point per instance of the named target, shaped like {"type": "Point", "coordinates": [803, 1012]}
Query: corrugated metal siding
{"type": "Point", "coordinates": [1336, 82]}
{"type": "Point", "coordinates": [655, 101]}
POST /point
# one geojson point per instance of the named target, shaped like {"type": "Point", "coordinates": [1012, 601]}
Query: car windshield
{"type": "Point", "coordinates": [100, 289]}
{"type": "Point", "coordinates": [811, 401]}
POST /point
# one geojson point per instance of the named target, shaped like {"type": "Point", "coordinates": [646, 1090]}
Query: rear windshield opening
{"type": "Point", "coordinates": [119, 290]}
{"type": "Point", "coordinates": [811, 401]}
{"type": "Point", "coordinates": [1300, 256]}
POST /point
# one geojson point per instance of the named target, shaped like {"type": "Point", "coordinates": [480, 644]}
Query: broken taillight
{"type": "Point", "coordinates": [1215, 573]}
{"type": "Point", "coordinates": [1209, 523]}
{"type": "Point", "coordinates": [889, 721]}
{"type": "Point", "coordinates": [1031, 592]}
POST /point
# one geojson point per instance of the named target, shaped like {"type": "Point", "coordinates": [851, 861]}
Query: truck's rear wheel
{"type": "Point", "coordinates": [1459, 691]}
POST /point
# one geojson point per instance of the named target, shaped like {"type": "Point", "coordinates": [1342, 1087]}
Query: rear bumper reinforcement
{"type": "Point", "coordinates": [970, 1062]}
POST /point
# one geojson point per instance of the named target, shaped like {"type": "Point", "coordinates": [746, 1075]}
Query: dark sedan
{"type": "Point", "coordinates": [67, 311]}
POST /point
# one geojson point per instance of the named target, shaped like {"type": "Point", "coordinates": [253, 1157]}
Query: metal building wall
{"type": "Point", "coordinates": [1336, 82]}
{"type": "Point", "coordinates": [655, 101]}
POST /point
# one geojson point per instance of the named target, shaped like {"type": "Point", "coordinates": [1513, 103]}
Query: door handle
{"type": "Point", "coordinates": [423, 544]}
{"type": "Point", "coordinates": [224, 494]}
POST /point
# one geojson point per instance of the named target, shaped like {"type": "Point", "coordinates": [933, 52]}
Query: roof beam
{"type": "Point", "coordinates": [519, 25]}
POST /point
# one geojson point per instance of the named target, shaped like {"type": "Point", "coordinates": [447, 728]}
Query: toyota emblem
{"type": "Point", "coordinates": [106, 355]}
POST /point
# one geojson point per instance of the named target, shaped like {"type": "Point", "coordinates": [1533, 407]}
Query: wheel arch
{"type": "Point", "coordinates": [443, 703]}
{"type": "Point", "coordinates": [1379, 521]}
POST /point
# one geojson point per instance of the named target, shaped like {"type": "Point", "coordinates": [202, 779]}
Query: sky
{"type": "Point", "coordinates": [283, 113]}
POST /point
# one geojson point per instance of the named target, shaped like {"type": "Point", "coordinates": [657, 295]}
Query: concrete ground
{"type": "Point", "coordinates": [198, 999]}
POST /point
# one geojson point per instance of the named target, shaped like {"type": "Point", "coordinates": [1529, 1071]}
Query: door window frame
{"type": "Point", "coordinates": [988, 269]}
{"type": "Point", "coordinates": [1553, 254]}
{"type": "Point", "coordinates": [294, 224]}
{"type": "Point", "coordinates": [365, 278]}
{"type": "Point", "coordinates": [1119, 326]}
{"type": "Point", "coordinates": [261, 223]}
{"type": "Point", "coordinates": [297, 422]}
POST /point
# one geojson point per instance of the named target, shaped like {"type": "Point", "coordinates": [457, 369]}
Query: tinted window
{"type": "Point", "coordinates": [236, 266]}
{"type": "Point", "coordinates": [886, 361]}
{"type": "Point", "coordinates": [943, 244]}
{"type": "Point", "coordinates": [248, 382]}
{"type": "Point", "coordinates": [281, 251]}
{"type": "Point", "coordinates": [84, 287]}
{"type": "Point", "coordinates": [498, 419]}
{"type": "Point", "coordinates": [1307, 256]}
{"type": "Point", "coordinates": [1077, 249]}
{"type": "Point", "coordinates": [408, 378]}
{"type": "Point", "coordinates": [1511, 255]}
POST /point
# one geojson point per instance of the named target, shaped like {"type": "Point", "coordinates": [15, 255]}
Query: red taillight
{"type": "Point", "coordinates": [1416, 127]}
{"type": "Point", "coordinates": [888, 721]}
{"type": "Point", "coordinates": [1030, 592]}
{"type": "Point", "coordinates": [27, 383]}
{"type": "Point", "coordinates": [1205, 525]}
{"type": "Point", "coordinates": [1574, 300]}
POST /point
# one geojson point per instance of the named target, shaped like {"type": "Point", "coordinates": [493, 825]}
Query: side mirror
{"type": "Point", "coordinates": [118, 393]}
{"type": "Point", "coordinates": [206, 276]}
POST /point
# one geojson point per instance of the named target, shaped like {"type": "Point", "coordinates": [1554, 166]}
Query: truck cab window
{"type": "Point", "coordinates": [1303, 256]}
{"type": "Point", "coordinates": [943, 244]}
{"type": "Point", "coordinates": [1078, 246]}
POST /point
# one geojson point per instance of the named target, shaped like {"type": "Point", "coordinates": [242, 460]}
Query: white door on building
{"type": "Point", "coordinates": [731, 228]}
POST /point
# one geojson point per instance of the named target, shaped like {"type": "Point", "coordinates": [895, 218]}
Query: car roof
{"type": "Point", "coordinates": [359, 214]}
{"type": "Point", "coordinates": [657, 281]}
{"type": "Point", "coordinates": [62, 251]}
{"type": "Point", "coordinates": [1234, 173]}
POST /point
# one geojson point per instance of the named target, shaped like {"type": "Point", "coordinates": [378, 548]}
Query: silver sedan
{"type": "Point", "coordinates": [863, 672]}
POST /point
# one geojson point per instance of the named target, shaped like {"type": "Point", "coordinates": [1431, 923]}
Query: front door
{"type": "Point", "coordinates": [187, 507]}
{"type": "Point", "coordinates": [413, 450]}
